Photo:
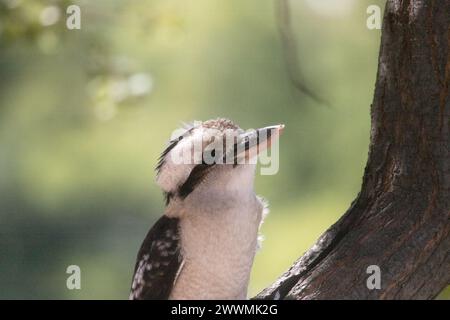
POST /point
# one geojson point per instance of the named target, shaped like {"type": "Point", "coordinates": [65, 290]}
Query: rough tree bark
{"type": "Point", "coordinates": [400, 220]}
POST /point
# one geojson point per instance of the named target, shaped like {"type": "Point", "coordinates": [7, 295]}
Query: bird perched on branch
{"type": "Point", "coordinates": [204, 245]}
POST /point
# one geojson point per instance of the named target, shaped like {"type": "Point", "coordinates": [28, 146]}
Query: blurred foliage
{"type": "Point", "coordinates": [85, 113]}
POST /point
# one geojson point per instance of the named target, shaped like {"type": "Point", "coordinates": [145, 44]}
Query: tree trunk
{"type": "Point", "coordinates": [400, 220]}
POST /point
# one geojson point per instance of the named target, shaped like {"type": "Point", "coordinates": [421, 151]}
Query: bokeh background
{"type": "Point", "coordinates": [85, 113]}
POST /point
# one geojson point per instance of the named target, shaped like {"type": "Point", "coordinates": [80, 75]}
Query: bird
{"type": "Point", "coordinates": [203, 246]}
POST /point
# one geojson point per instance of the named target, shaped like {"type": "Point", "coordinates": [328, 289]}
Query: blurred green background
{"type": "Point", "coordinates": [85, 113]}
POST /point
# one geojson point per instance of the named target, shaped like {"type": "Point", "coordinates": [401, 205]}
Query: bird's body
{"type": "Point", "coordinates": [219, 241]}
{"type": "Point", "coordinates": [204, 245]}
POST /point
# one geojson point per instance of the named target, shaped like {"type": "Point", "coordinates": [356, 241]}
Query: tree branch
{"type": "Point", "coordinates": [291, 52]}
{"type": "Point", "coordinates": [400, 220]}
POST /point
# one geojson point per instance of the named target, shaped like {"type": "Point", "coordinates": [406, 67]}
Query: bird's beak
{"type": "Point", "coordinates": [253, 142]}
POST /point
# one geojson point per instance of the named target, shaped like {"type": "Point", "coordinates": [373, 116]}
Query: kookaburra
{"type": "Point", "coordinates": [204, 245]}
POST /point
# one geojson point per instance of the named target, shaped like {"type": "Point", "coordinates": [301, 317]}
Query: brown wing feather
{"type": "Point", "coordinates": [158, 261]}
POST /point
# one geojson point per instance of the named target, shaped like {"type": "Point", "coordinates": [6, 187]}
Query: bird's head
{"type": "Point", "coordinates": [215, 155]}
